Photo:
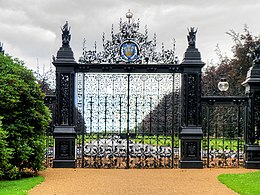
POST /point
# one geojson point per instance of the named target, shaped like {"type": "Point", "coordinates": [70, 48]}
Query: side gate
{"type": "Point", "coordinates": [224, 131]}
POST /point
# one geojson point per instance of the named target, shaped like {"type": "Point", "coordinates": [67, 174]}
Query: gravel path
{"type": "Point", "coordinates": [133, 181]}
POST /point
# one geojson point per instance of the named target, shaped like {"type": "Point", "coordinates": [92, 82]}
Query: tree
{"type": "Point", "coordinates": [6, 168]}
{"type": "Point", "coordinates": [234, 68]}
{"type": "Point", "coordinates": [46, 81]}
{"type": "Point", "coordinates": [25, 119]}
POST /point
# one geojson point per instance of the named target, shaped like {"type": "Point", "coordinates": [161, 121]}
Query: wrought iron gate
{"type": "Point", "coordinates": [128, 101]}
{"type": "Point", "coordinates": [224, 128]}
{"type": "Point", "coordinates": [131, 120]}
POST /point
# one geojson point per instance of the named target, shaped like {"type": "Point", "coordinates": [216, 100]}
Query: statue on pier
{"type": "Point", "coordinates": [256, 54]}
{"type": "Point", "coordinates": [192, 37]}
{"type": "Point", "coordinates": [66, 34]}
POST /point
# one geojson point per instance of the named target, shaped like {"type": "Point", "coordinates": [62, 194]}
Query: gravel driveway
{"type": "Point", "coordinates": [133, 181]}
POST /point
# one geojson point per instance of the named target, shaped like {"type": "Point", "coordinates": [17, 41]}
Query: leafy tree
{"type": "Point", "coordinates": [234, 68]}
{"type": "Point", "coordinates": [25, 119]}
{"type": "Point", "coordinates": [6, 168]}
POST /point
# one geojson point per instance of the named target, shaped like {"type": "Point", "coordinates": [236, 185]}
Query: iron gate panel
{"type": "Point", "coordinates": [131, 120]}
{"type": "Point", "coordinates": [224, 128]}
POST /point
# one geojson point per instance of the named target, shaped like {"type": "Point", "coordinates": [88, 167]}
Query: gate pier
{"type": "Point", "coordinates": [252, 85]}
{"type": "Point", "coordinates": [191, 131]}
{"type": "Point", "coordinates": [64, 131]}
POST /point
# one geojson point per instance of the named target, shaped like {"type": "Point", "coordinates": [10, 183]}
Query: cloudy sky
{"type": "Point", "coordinates": [30, 29]}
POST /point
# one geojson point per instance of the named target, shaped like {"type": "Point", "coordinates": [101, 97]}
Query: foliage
{"type": "Point", "coordinates": [247, 183]}
{"type": "Point", "coordinates": [6, 167]}
{"type": "Point", "coordinates": [19, 187]}
{"type": "Point", "coordinates": [234, 68]}
{"type": "Point", "coordinates": [46, 81]}
{"type": "Point", "coordinates": [25, 119]}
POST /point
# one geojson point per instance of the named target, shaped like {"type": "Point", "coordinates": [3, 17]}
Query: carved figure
{"type": "Point", "coordinates": [256, 54]}
{"type": "Point", "coordinates": [192, 37]}
{"type": "Point", "coordinates": [66, 34]}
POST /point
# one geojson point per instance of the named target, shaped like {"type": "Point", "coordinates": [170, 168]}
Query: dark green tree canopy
{"type": "Point", "coordinates": [25, 116]}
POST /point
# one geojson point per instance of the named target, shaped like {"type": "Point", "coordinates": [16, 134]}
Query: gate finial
{"type": "Point", "coordinates": [129, 15]}
{"type": "Point", "coordinates": [192, 37]}
{"type": "Point", "coordinates": [256, 54]}
{"type": "Point", "coordinates": [66, 34]}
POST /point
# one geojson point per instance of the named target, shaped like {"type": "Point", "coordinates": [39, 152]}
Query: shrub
{"type": "Point", "coordinates": [25, 119]}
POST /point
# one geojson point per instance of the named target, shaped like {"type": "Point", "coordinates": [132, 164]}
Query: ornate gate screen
{"type": "Point", "coordinates": [128, 102]}
{"type": "Point", "coordinates": [130, 119]}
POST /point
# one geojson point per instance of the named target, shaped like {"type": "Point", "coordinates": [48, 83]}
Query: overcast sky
{"type": "Point", "coordinates": [30, 29]}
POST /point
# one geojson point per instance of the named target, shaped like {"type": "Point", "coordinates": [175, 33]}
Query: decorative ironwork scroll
{"type": "Point", "coordinates": [253, 122]}
{"type": "Point", "coordinates": [64, 99]}
{"type": "Point", "coordinates": [191, 99]}
{"type": "Point", "coordinates": [257, 117]}
{"type": "Point", "coordinates": [128, 119]}
{"type": "Point", "coordinates": [129, 46]}
{"type": "Point", "coordinates": [177, 101]}
{"type": "Point", "coordinates": [64, 106]}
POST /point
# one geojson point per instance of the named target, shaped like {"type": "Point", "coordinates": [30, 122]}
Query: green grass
{"type": "Point", "coordinates": [218, 144]}
{"type": "Point", "coordinates": [215, 143]}
{"type": "Point", "coordinates": [19, 187]}
{"type": "Point", "coordinates": [246, 183]}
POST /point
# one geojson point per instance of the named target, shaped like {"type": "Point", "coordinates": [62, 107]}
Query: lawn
{"type": "Point", "coordinates": [215, 143]}
{"type": "Point", "coordinates": [19, 187]}
{"type": "Point", "coordinates": [246, 183]}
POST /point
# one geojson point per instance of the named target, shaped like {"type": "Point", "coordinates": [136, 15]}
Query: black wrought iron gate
{"type": "Point", "coordinates": [129, 109]}
{"type": "Point", "coordinates": [130, 120]}
{"type": "Point", "coordinates": [224, 129]}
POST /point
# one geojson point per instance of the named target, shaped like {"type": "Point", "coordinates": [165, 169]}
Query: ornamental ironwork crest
{"type": "Point", "coordinates": [129, 51]}
{"type": "Point", "coordinates": [129, 46]}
